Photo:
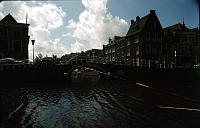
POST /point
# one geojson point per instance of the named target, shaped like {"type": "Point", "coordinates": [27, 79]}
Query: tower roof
{"type": "Point", "coordinates": [8, 19]}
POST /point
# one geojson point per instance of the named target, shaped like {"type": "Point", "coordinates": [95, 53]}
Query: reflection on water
{"type": "Point", "coordinates": [85, 75]}
{"type": "Point", "coordinates": [102, 105]}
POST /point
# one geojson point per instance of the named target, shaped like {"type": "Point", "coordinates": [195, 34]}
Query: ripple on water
{"type": "Point", "coordinates": [100, 105]}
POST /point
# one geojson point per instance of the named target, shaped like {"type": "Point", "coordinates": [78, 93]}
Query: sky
{"type": "Point", "coordinates": [64, 26]}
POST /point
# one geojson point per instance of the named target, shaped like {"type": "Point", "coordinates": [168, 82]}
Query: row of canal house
{"type": "Point", "coordinates": [148, 44]}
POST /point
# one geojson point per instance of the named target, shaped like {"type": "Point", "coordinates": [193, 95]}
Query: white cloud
{"type": "Point", "coordinates": [48, 15]}
{"type": "Point", "coordinates": [1, 14]}
{"type": "Point", "coordinates": [77, 47]}
{"type": "Point", "coordinates": [96, 24]}
{"type": "Point", "coordinates": [43, 19]}
{"type": "Point", "coordinates": [45, 44]}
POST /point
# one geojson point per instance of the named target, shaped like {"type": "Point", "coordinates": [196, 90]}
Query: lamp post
{"type": "Point", "coordinates": [33, 42]}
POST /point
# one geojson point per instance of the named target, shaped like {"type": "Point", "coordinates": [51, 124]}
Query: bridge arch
{"type": "Point", "coordinates": [96, 67]}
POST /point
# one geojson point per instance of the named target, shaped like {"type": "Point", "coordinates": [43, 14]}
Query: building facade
{"type": "Point", "coordinates": [14, 39]}
{"type": "Point", "coordinates": [144, 40]}
{"type": "Point", "coordinates": [141, 45]}
{"type": "Point", "coordinates": [94, 54]}
{"type": "Point", "coordinates": [181, 45]}
{"type": "Point", "coordinates": [148, 44]}
{"type": "Point", "coordinates": [113, 51]}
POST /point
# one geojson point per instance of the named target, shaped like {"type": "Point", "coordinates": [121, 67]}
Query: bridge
{"type": "Point", "coordinates": [49, 71]}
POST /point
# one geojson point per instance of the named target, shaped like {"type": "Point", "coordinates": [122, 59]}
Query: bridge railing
{"type": "Point", "coordinates": [128, 62]}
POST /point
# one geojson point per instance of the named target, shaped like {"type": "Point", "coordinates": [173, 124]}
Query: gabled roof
{"type": "Point", "coordinates": [194, 29]}
{"type": "Point", "coordinates": [176, 28]}
{"type": "Point", "coordinates": [138, 26]}
{"type": "Point", "coordinates": [8, 19]}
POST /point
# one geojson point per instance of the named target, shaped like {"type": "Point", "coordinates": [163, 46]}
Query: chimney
{"type": "Point", "coordinates": [109, 40]}
{"type": "Point", "coordinates": [132, 21]}
{"type": "Point", "coordinates": [26, 18]}
{"type": "Point", "coordinates": [137, 18]}
{"type": "Point", "coordinates": [152, 11]}
{"type": "Point", "coordinates": [183, 22]}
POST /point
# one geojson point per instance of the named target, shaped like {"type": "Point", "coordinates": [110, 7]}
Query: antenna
{"type": "Point", "coordinates": [26, 18]}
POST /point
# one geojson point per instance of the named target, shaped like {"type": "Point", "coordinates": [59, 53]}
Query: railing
{"type": "Point", "coordinates": [127, 62]}
{"type": "Point", "coordinates": [100, 60]}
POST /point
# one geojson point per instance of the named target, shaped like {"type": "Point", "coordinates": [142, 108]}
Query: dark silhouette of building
{"type": "Point", "coordinates": [147, 43]}
{"type": "Point", "coordinates": [143, 41]}
{"type": "Point", "coordinates": [93, 54]}
{"type": "Point", "coordinates": [14, 39]}
{"type": "Point", "coordinates": [181, 45]}
{"type": "Point", "coordinates": [114, 50]}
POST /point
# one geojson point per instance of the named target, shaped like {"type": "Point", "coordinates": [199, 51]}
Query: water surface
{"type": "Point", "coordinates": [110, 104]}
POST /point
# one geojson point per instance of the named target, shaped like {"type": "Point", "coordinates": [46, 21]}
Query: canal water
{"type": "Point", "coordinates": [103, 104]}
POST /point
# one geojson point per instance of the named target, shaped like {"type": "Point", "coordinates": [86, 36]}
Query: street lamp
{"type": "Point", "coordinates": [33, 42]}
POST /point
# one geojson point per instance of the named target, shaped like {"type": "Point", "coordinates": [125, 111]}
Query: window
{"type": "Point", "coordinates": [159, 38]}
{"type": "Point", "coordinates": [25, 32]}
{"type": "Point", "coordinates": [106, 52]}
{"type": "Point", "coordinates": [147, 36]}
{"type": "Point", "coordinates": [113, 58]}
{"type": "Point", "coordinates": [122, 45]}
{"type": "Point", "coordinates": [117, 46]}
{"type": "Point", "coordinates": [17, 45]}
{"type": "Point", "coordinates": [137, 50]}
{"type": "Point", "coordinates": [3, 32]}
{"type": "Point", "coordinates": [113, 50]}
{"type": "Point", "coordinates": [138, 61]}
{"type": "Point", "coordinates": [136, 41]}
{"type": "Point", "coordinates": [3, 45]}
{"type": "Point", "coordinates": [17, 33]}
{"type": "Point", "coordinates": [109, 50]}
{"type": "Point", "coordinates": [128, 52]}
{"type": "Point", "coordinates": [148, 49]}
{"type": "Point", "coordinates": [137, 27]}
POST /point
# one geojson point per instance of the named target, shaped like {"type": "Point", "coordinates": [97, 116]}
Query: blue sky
{"type": "Point", "coordinates": [61, 27]}
{"type": "Point", "coordinates": [168, 11]}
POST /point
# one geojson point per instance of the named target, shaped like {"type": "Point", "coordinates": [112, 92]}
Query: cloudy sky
{"type": "Point", "coordinates": [61, 27]}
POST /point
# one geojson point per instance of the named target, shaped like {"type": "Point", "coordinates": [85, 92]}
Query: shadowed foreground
{"type": "Point", "coordinates": [105, 104]}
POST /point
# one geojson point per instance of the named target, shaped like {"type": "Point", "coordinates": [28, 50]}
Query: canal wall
{"type": "Point", "coordinates": [32, 73]}
{"type": "Point", "coordinates": [60, 73]}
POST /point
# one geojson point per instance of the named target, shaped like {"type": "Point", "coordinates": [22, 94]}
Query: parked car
{"type": "Point", "coordinates": [9, 61]}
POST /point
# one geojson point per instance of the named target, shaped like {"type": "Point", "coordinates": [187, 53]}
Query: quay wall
{"type": "Point", "coordinates": [60, 73]}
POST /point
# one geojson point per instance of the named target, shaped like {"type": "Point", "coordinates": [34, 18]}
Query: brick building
{"type": "Point", "coordinates": [147, 43]}
{"type": "Point", "coordinates": [181, 45]}
{"type": "Point", "coordinates": [14, 39]}
{"type": "Point", "coordinates": [114, 50]}
{"type": "Point", "coordinates": [94, 54]}
{"type": "Point", "coordinates": [143, 41]}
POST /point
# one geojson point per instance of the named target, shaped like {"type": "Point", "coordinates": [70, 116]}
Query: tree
{"type": "Point", "coordinates": [38, 57]}
{"type": "Point", "coordinates": [54, 56]}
